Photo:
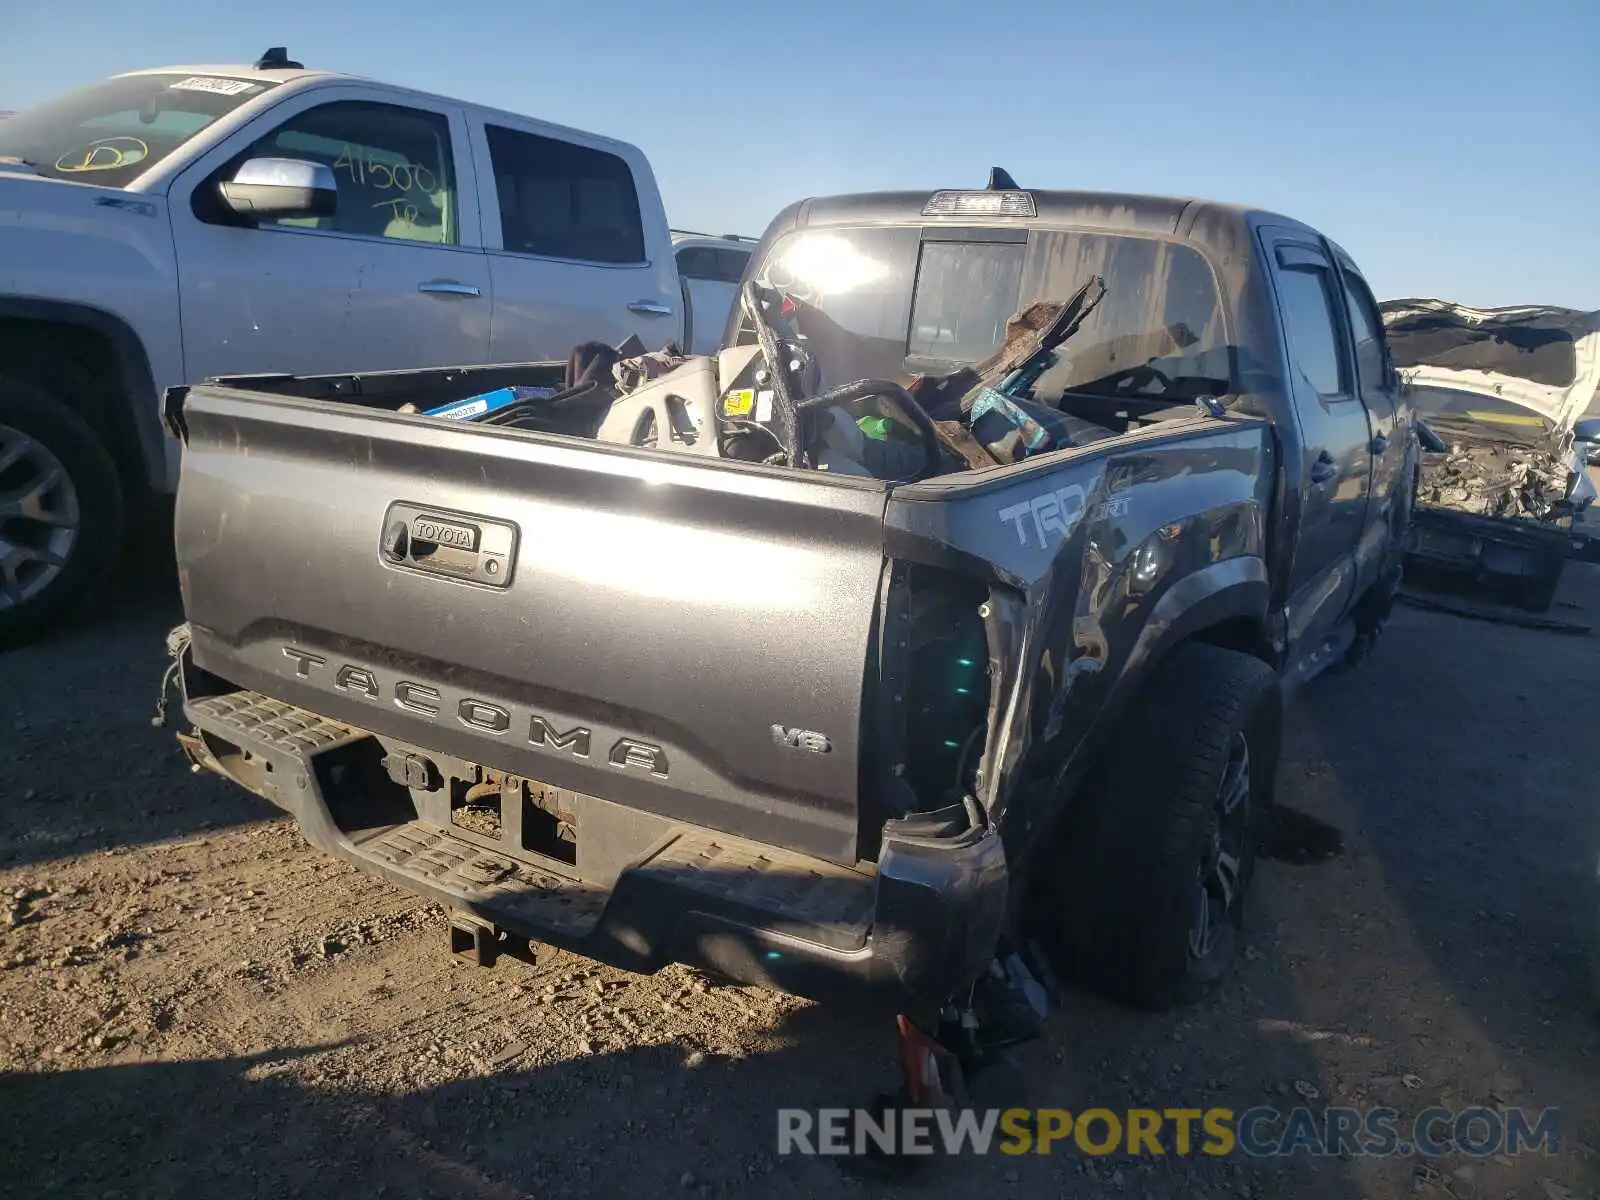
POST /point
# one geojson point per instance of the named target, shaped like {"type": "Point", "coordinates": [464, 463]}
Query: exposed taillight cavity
{"type": "Point", "coordinates": [947, 684]}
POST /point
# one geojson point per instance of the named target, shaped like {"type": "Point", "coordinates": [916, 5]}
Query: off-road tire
{"type": "Point", "coordinates": [1145, 821]}
{"type": "Point", "coordinates": [36, 414]}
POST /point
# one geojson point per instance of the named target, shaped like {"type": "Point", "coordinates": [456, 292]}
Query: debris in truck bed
{"type": "Point", "coordinates": [482, 405]}
{"type": "Point", "coordinates": [1499, 480]}
{"type": "Point", "coordinates": [629, 373]}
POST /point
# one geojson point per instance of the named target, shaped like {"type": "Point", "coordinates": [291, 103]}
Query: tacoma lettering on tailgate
{"type": "Point", "coordinates": [483, 715]}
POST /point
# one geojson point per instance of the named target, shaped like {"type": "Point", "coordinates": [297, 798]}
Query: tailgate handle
{"type": "Point", "coordinates": [456, 545]}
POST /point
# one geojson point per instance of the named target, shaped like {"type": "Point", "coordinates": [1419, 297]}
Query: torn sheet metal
{"type": "Point", "coordinates": [1498, 480]}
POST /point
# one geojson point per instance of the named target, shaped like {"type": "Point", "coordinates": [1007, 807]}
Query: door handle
{"type": "Point", "coordinates": [1380, 443]}
{"type": "Point", "coordinates": [1324, 468]}
{"type": "Point", "coordinates": [650, 308]}
{"type": "Point", "coordinates": [448, 287]}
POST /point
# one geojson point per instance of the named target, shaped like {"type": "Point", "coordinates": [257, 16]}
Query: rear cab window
{"type": "Point", "coordinates": [947, 325]}
{"type": "Point", "coordinates": [891, 302]}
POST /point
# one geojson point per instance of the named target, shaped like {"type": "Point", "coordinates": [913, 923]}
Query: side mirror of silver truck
{"type": "Point", "coordinates": [281, 187]}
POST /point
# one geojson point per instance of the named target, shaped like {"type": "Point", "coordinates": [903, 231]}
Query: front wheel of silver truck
{"type": "Point", "coordinates": [1158, 855]}
{"type": "Point", "coordinates": [61, 510]}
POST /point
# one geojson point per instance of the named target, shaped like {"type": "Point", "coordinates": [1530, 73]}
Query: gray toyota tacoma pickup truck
{"type": "Point", "coordinates": [729, 690]}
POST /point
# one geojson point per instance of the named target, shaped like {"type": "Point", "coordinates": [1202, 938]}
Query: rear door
{"type": "Point", "coordinates": [396, 279]}
{"type": "Point", "coordinates": [1336, 469]}
{"type": "Point", "coordinates": [578, 242]}
{"type": "Point", "coordinates": [1387, 438]}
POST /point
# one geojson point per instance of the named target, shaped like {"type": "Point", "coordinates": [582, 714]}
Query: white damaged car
{"type": "Point", "coordinates": [1506, 392]}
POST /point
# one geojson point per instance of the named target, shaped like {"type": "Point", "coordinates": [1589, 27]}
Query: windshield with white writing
{"type": "Point", "coordinates": [112, 132]}
{"type": "Point", "coordinates": [889, 302]}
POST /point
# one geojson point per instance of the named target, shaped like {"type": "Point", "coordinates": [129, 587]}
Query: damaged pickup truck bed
{"type": "Point", "coordinates": [1501, 394]}
{"type": "Point", "coordinates": [820, 715]}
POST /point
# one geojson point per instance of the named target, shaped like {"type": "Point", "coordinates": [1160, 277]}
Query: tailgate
{"type": "Point", "coordinates": [683, 637]}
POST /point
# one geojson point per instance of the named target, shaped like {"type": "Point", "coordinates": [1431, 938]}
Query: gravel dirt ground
{"type": "Point", "coordinates": [194, 1003]}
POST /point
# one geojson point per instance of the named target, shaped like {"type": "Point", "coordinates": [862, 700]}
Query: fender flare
{"type": "Point", "coordinates": [141, 408]}
{"type": "Point", "coordinates": [1221, 591]}
{"type": "Point", "coordinates": [1233, 589]}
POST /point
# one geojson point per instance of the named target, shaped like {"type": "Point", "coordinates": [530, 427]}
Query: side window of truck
{"type": "Point", "coordinates": [712, 263]}
{"type": "Point", "coordinates": [562, 200]}
{"type": "Point", "coordinates": [393, 165]}
{"type": "Point", "coordinates": [1306, 296]}
{"type": "Point", "coordinates": [1367, 331]}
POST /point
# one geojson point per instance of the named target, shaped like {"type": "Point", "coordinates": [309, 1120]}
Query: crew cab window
{"type": "Point", "coordinates": [1367, 331]}
{"type": "Point", "coordinates": [712, 263]}
{"type": "Point", "coordinates": [562, 200]}
{"type": "Point", "coordinates": [393, 166]}
{"type": "Point", "coordinates": [1305, 294]}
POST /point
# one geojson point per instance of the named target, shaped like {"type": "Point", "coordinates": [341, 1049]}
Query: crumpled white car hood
{"type": "Point", "coordinates": [1560, 405]}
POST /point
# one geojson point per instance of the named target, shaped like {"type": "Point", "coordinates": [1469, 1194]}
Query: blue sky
{"type": "Point", "coordinates": [1449, 146]}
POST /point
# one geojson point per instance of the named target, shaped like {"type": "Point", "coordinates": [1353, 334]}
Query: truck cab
{"type": "Point", "coordinates": [1202, 299]}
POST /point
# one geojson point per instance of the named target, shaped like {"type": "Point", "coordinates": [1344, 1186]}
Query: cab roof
{"type": "Point", "coordinates": [304, 75]}
{"type": "Point", "coordinates": [246, 71]}
{"type": "Point", "coordinates": [1123, 211]}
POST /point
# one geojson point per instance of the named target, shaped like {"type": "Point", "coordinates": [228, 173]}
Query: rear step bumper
{"type": "Point", "coordinates": [645, 890]}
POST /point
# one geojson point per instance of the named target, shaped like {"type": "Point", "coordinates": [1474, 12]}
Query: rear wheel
{"type": "Point", "coordinates": [61, 510]}
{"type": "Point", "coordinates": [1160, 850]}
